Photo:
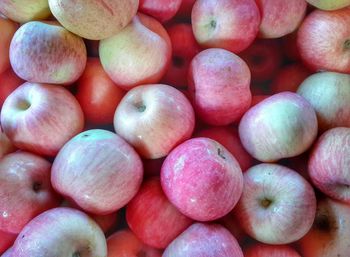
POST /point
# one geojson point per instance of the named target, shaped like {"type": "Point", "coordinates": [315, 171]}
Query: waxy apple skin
{"type": "Point", "coordinates": [98, 170]}
{"type": "Point", "coordinates": [159, 9]}
{"type": "Point", "coordinates": [202, 179]}
{"type": "Point", "coordinates": [329, 5]}
{"type": "Point", "coordinates": [277, 206]}
{"type": "Point", "coordinates": [45, 52]}
{"type": "Point", "coordinates": [268, 132]}
{"type": "Point", "coordinates": [264, 250]}
{"type": "Point", "coordinates": [61, 232]}
{"type": "Point", "coordinates": [148, 118]}
{"type": "Point", "coordinates": [7, 30]}
{"type": "Point", "coordinates": [205, 240]}
{"type": "Point", "coordinates": [41, 118]}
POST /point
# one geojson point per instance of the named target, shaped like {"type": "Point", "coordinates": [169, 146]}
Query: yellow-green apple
{"type": "Point", "coordinates": [153, 219]}
{"type": "Point", "coordinates": [61, 232]}
{"type": "Point", "coordinates": [139, 54]}
{"type": "Point", "coordinates": [41, 118]}
{"type": "Point", "coordinates": [229, 24]}
{"type": "Point", "coordinates": [202, 179]}
{"type": "Point", "coordinates": [277, 206]}
{"type": "Point", "coordinates": [7, 30]}
{"type": "Point", "coordinates": [6, 241]}
{"type": "Point", "coordinates": [25, 190]}
{"type": "Point", "coordinates": [9, 81]}
{"type": "Point", "coordinates": [209, 240]}
{"type": "Point", "coordinates": [160, 9]}
{"type": "Point", "coordinates": [45, 52]}
{"type": "Point", "coordinates": [264, 250]}
{"type": "Point", "coordinates": [97, 170]}
{"type": "Point", "coordinates": [329, 95]}
{"type": "Point", "coordinates": [329, 5]}
{"type": "Point", "coordinates": [148, 117]}
{"type": "Point", "coordinates": [281, 126]}
{"type": "Point", "coordinates": [219, 84]}
{"type": "Point", "coordinates": [94, 19]}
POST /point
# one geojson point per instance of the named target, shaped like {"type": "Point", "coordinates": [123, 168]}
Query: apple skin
{"type": "Point", "coordinates": [148, 118]}
{"type": "Point", "coordinates": [215, 76]}
{"type": "Point", "coordinates": [98, 170]}
{"type": "Point", "coordinates": [329, 95]}
{"type": "Point", "coordinates": [97, 94]}
{"type": "Point", "coordinates": [205, 240]}
{"type": "Point", "coordinates": [329, 5]}
{"type": "Point", "coordinates": [41, 118]}
{"type": "Point", "coordinates": [7, 30]}
{"type": "Point", "coordinates": [328, 235]}
{"type": "Point", "coordinates": [329, 163]}
{"type": "Point", "coordinates": [228, 24]}
{"type": "Point", "coordinates": [232, 225]}
{"type": "Point", "coordinates": [280, 18]}
{"type": "Point", "coordinates": [153, 219]}
{"type": "Point", "coordinates": [125, 243]}
{"type": "Point", "coordinates": [202, 179]}
{"type": "Point", "coordinates": [7, 253]}
{"type": "Point", "coordinates": [185, 9]}
{"type": "Point", "coordinates": [7, 240]}
{"type": "Point", "coordinates": [258, 98]}
{"type": "Point", "coordinates": [45, 52]}
{"type": "Point", "coordinates": [264, 250]}
{"type": "Point", "coordinates": [25, 10]}
{"type": "Point", "coordinates": [323, 40]}
{"type": "Point", "coordinates": [160, 9]}
{"type": "Point", "coordinates": [6, 146]}
{"type": "Point", "coordinates": [9, 81]}
{"type": "Point", "coordinates": [277, 206]}
{"type": "Point", "coordinates": [94, 20]}
{"type": "Point", "coordinates": [268, 133]}
{"type": "Point", "coordinates": [61, 232]}
{"type": "Point", "coordinates": [139, 54]}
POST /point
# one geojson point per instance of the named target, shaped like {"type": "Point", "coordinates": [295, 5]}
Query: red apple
{"type": "Point", "coordinates": [219, 83]}
{"type": "Point", "coordinates": [232, 225]}
{"type": "Point", "coordinates": [185, 9]}
{"type": "Point", "coordinates": [148, 117]}
{"type": "Point", "coordinates": [6, 241]}
{"type": "Point", "coordinates": [9, 81]}
{"type": "Point", "coordinates": [160, 9]}
{"type": "Point", "coordinates": [264, 250]}
{"type": "Point", "coordinates": [277, 206]}
{"type": "Point", "coordinates": [202, 179]}
{"type": "Point", "coordinates": [41, 118]}
{"type": "Point", "coordinates": [7, 30]}
{"type": "Point", "coordinates": [258, 98]}
{"type": "Point", "coordinates": [229, 24]}
{"type": "Point", "coordinates": [329, 5]}
{"type": "Point", "coordinates": [7, 253]}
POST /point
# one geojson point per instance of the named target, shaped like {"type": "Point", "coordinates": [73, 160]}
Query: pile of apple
{"type": "Point", "coordinates": [175, 128]}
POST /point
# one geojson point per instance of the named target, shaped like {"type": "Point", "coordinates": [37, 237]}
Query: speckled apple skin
{"type": "Point", "coordinates": [264, 250]}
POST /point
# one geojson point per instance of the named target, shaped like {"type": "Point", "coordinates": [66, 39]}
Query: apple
{"type": "Point", "coordinates": [98, 170]}
{"type": "Point", "coordinates": [281, 126]}
{"type": "Point", "coordinates": [160, 9]}
{"type": "Point", "coordinates": [185, 9]}
{"type": "Point", "coordinates": [94, 19]}
{"type": "Point", "coordinates": [329, 95]}
{"type": "Point", "coordinates": [277, 206]}
{"type": "Point", "coordinates": [7, 30]}
{"type": "Point", "coordinates": [328, 235]}
{"type": "Point", "coordinates": [264, 250]}
{"type": "Point", "coordinates": [139, 54]}
{"type": "Point", "coordinates": [329, 164]}
{"type": "Point", "coordinates": [209, 240]}
{"type": "Point", "coordinates": [323, 40]}
{"type": "Point", "coordinates": [153, 219]}
{"type": "Point", "coordinates": [202, 179]}
{"type": "Point", "coordinates": [6, 146]}
{"type": "Point", "coordinates": [45, 52]}
{"type": "Point", "coordinates": [258, 98]}
{"type": "Point", "coordinates": [125, 243]}
{"type": "Point", "coordinates": [6, 241]}
{"type": "Point", "coordinates": [229, 24]}
{"type": "Point", "coordinates": [280, 18]}
{"type": "Point", "coordinates": [41, 118]}
{"type": "Point", "coordinates": [9, 81]}
{"type": "Point", "coordinates": [97, 94]}
{"type": "Point", "coordinates": [329, 5]}
{"type": "Point", "coordinates": [7, 253]}
{"type": "Point", "coordinates": [25, 10]}
{"type": "Point", "coordinates": [61, 232]}
{"type": "Point", "coordinates": [232, 225]}
{"type": "Point", "coordinates": [25, 190]}
{"type": "Point", "coordinates": [219, 84]}
{"type": "Point", "coordinates": [149, 118]}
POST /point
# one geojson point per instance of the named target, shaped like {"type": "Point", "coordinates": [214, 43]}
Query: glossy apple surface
{"type": "Point", "coordinates": [159, 9]}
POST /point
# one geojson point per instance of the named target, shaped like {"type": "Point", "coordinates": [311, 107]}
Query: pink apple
{"type": "Point", "coordinates": [328, 235]}
{"type": "Point", "coordinates": [202, 179]}
{"type": "Point", "coordinates": [329, 164]}
{"type": "Point", "coordinates": [125, 243]}
{"type": "Point", "coordinates": [98, 170]}
{"type": "Point", "coordinates": [160, 9]}
{"type": "Point", "coordinates": [280, 18]}
{"type": "Point", "coordinates": [281, 126]}
{"type": "Point", "coordinates": [45, 52]}
{"type": "Point", "coordinates": [139, 54]}
{"type": "Point", "coordinates": [25, 190]}
{"type": "Point", "coordinates": [6, 146]}
{"type": "Point", "coordinates": [9, 81]}
{"type": "Point", "coordinates": [219, 83]}
{"type": "Point", "coordinates": [149, 118]}
{"type": "Point", "coordinates": [229, 24]}
{"type": "Point", "coordinates": [329, 95]}
{"type": "Point", "coordinates": [264, 250]}
{"type": "Point", "coordinates": [61, 232]}
{"type": "Point", "coordinates": [277, 206]}
{"type": "Point", "coordinates": [329, 5]}
{"type": "Point", "coordinates": [94, 19]}
{"type": "Point", "coordinates": [323, 40]}
{"type": "Point", "coordinates": [6, 241]}
{"type": "Point", "coordinates": [153, 218]}
{"type": "Point", "coordinates": [205, 240]}
{"type": "Point", "coordinates": [41, 118]}
{"type": "Point", "coordinates": [7, 30]}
